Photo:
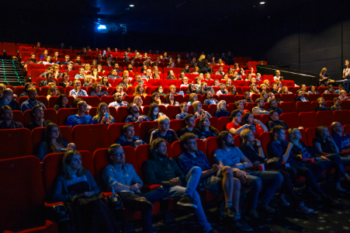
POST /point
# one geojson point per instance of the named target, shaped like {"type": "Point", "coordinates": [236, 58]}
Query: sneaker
{"type": "Point", "coordinates": [282, 200]}
{"type": "Point", "coordinates": [186, 201]}
{"type": "Point", "coordinates": [241, 225]}
{"type": "Point", "coordinates": [228, 212]}
{"type": "Point", "coordinates": [302, 208]}
{"type": "Point", "coordinates": [253, 214]}
{"type": "Point", "coordinates": [266, 208]}
{"type": "Point", "coordinates": [330, 201]}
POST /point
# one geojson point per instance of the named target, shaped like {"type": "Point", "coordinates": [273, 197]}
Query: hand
{"type": "Point", "coordinates": [140, 118]}
{"type": "Point", "coordinates": [216, 167]}
{"type": "Point", "coordinates": [88, 194]}
{"type": "Point", "coordinates": [290, 145]}
{"type": "Point", "coordinates": [175, 181]}
{"type": "Point", "coordinates": [324, 158]}
{"type": "Point", "coordinates": [70, 146]}
{"type": "Point", "coordinates": [257, 142]}
{"type": "Point", "coordinates": [246, 126]}
{"type": "Point", "coordinates": [105, 119]}
{"type": "Point", "coordinates": [256, 163]}
{"type": "Point", "coordinates": [242, 176]}
{"type": "Point", "coordinates": [300, 156]}
{"type": "Point", "coordinates": [134, 188]}
{"type": "Point", "coordinates": [257, 121]}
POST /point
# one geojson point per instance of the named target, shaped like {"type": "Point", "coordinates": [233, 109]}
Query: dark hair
{"type": "Point", "coordinates": [186, 137]}
{"type": "Point", "coordinates": [189, 89]}
{"type": "Point", "coordinates": [155, 144]}
{"type": "Point", "coordinates": [167, 99]}
{"type": "Point", "coordinates": [51, 148]}
{"type": "Point", "coordinates": [112, 147]}
{"type": "Point", "coordinates": [206, 94]}
{"type": "Point", "coordinates": [154, 95]}
{"type": "Point", "coordinates": [277, 129]}
{"type": "Point", "coordinates": [211, 128]}
{"type": "Point", "coordinates": [234, 113]}
{"type": "Point", "coordinates": [157, 89]}
{"type": "Point", "coordinates": [335, 100]}
{"type": "Point", "coordinates": [187, 117]}
{"type": "Point", "coordinates": [258, 100]}
{"type": "Point", "coordinates": [59, 101]}
{"type": "Point", "coordinates": [150, 111]}
{"type": "Point", "coordinates": [272, 112]}
{"type": "Point", "coordinates": [222, 137]}
{"type": "Point", "coordinates": [125, 127]}
{"type": "Point", "coordinates": [245, 118]}
{"type": "Point", "coordinates": [34, 109]}
{"type": "Point", "coordinates": [5, 107]}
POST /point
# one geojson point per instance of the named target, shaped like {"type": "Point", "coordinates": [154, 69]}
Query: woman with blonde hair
{"type": "Point", "coordinates": [100, 68]}
{"type": "Point", "coordinates": [102, 115]}
{"type": "Point", "coordinates": [254, 90]}
{"type": "Point", "coordinates": [139, 90]}
{"type": "Point", "coordinates": [285, 90]}
{"type": "Point", "coordinates": [87, 68]}
{"type": "Point", "coordinates": [202, 64]}
{"type": "Point", "coordinates": [252, 149]}
{"type": "Point", "coordinates": [53, 91]}
{"type": "Point", "coordinates": [126, 74]}
{"type": "Point", "coordinates": [98, 90]}
{"type": "Point", "coordinates": [266, 83]}
{"type": "Point", "coordinates": [95, 74]}
{"type": "Point", "coordinates": [198, 112]}
{"type": "Point", "coordinates": [221, 110]}
{"type": "Point", "coordinates": [248, 78]}
{"type": "Point", "coordinates": [138, 101]}
{"type": "Point", "coordinates": [193, 98]}
{"type": "Point", "coordinates": [324, 79]}
{"type": "Point", "coordinates": [88, 81]}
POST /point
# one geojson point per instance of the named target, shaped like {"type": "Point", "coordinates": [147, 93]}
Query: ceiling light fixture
{"type": "Point", "coordinates": [131, 5]}
{"type": "Point", "coordinates": [262, 3]}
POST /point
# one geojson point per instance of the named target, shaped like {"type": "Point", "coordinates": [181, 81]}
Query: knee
{"type": "Point", "coordinates": [257, 183]}
{"type": "Point", "coordinates": [279, 178]}
{"type": "Point", "coordinates": [196, 170]}
{"type": "Point", "coordinates": [227, 170]}
{"type": "Point", "coordinates": [236, 184]}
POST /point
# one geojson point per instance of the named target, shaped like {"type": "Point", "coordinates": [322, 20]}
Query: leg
{"type": "Point", "coordinates": [309, 176]}
{"type": "Point", "coordinates": [316, 168]}
{"type": "Point", "coordinates": [289, 174]}
{"type": "Point", "coordinates": [254, 184]}
{"type": "Point", "coordinates": [236, 194]}
{"type": "Point", "coordinates": [227, 183]}
{"type": "Point", "coordinates": [192, 178]}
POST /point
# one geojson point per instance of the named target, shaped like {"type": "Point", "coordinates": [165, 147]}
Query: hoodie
{"type": "Point", "coordinates": [160, 170]}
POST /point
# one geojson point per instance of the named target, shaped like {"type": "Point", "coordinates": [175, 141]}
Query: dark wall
{"type": "Point", "coordinates": [310, 38]}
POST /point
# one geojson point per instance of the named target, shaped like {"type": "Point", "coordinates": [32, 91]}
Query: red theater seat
{"type": "Point", "coordinates": [90, 137]}
{"type": "Point", "coordinates": [288, 107]}
{"type": "Point", "coordinates": [291, 119]}
{"type": "Point", "coordinates": [342, 116]}
{"type": "Point", "coordinates": [325, 118]}
{"type": "Point", "coordinates": [211, 144]}
{"type": "Point", "coordinates": [304, 107]}
{"type": "Point", "coordinates": [22, 197]}
{"type": "Point", "coordinates": [64, 113]}
{"type": "Point", "coordinates": [15, 143]}
{"type": "Point", "coordinates": [308, 119]}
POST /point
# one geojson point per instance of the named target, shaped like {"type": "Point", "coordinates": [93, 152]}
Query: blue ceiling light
{"type": "Point", "coordinates": [101, 27]}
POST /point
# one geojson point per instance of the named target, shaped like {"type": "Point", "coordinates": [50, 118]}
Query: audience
{"type": "Point", "coordinates": [170, 100]}
{"type": "Point", "coordinates": [190, 126]}
{"type": "Point", "coordinates": [62, 102]}
{"type": "Point", "coordinates": [53, 142]}
{"type": "Point", "coordinates": [8, 100]}
{"type": "Point", "coordinates": [7, 119]}
{"type": "Point", "coordinates": [118, 97]}
{"type": "Point", "coordinates": [198, 112]}
{"type": "Point", "coordinates": [153, 112]}
{"type": "Point", "coordinates": [217, 179]}
{"type": "Point", "coordinates": [336, 104]}
{"type": "Point", "coordinates": [53, 91]}
{"type": "Point", "coordinates": [301, 97]}
{"type": "Point", "coordinates": [343, 96]}
{"type": "Point", "coordinates": [259, 108]}
{"type": "Point", "coordinates": [341, 139]}
{"type": "Point", "coordinates": [129, 138]}
{"type": "Point", "coordinates": [193, 98]}
{"type": "Point", "coordinates": [38, 119]}
{"type": "Point", "coordinates": [163, 131]}
{"type": "Point", "coordinates": [235, 127]}
{"type": "Point", "coordinates": [163, 170]}
{"type": "Point", "coordinates": [102, 115]}
{"type": "Point", "coordinates": [275, 121]}
{"type": "Point", "coordinates": [129, 187]}
{"type": "Point", "coordinates": [183, 113]}
{"type": "Point", "coordinates": [274, 106]}
{"type": "Point", "coordinates": [77, 91]}
{"type": "Point", "coordinates": [209, 99]}
{"type": "Point", "coordinates": [98, 90]}
{"type": "Point", "coordinates": [31, 102]}
{"type": "Point", "coordinates": [81, 118]}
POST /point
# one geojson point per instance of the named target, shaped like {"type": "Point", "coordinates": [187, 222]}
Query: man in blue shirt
{"type": "Point", "coordinates": [31, 102]}
{"type": "Point", "coordinates": [80, 118]}
{"type": "Point", "coordinates": [8, 122]}
{"type": "Point", "coordinates": [274, 106]}
{"type": "Point", "coordinates": [122, 178]}
{"type": "Point", "coordinates": [7, 99]}
{"type": "Point", "coordinates": [128, 138]}
{"type": "Point", "coordinates": [216, 178]}
{"type": "Point", "coordinates": [342, 141]}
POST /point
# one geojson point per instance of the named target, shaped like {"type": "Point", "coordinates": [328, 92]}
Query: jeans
{"type": "Point", "coordinates": [311, 171]}
{"type": "Point", "coordinates": [131, 200]}
{"type": "Point", "coordinates": [347, 84]}
{"type": "Point", "coordinates": [270, 180]}
{"type": "Point", "coordinates": [338, 163]}
{"type": "Point", "coordinates": [289, 174]}
{"type": "Point", "coordinates": [176, 192]}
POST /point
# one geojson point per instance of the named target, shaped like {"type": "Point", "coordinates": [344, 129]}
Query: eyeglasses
{"type": "Point", "coordinates": [119, 154]}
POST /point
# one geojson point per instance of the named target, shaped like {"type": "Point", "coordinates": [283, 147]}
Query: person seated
{"type": "Point", "coordinates": [83, 52]}
{"type": "Point", "coordinates": [48, 61]}
{"type": "Point", "coordinates": [184, 111]}
{"type": "Point", "coordinates": [321, 105]}
{"type": "Point", "coordinates": [129, 138]}
{"type": "Point", "coordinates": [178, 186]}
{"type": "Point", "coordinates": [153, 112]}
{"type": "Point", "coordinates": [280, 148]}
{"type": "Point", "coordinates": [77, 91]}
{"type": "Point", "coordinates": [209, 98]}
{"type": "Point", "coordinates": [256, 126]}
{"type": "Point", "coordinates": [156, 98]}
{"type": "Point", "coordinates": [328, 152]}
{"type": "Point", "coordinates": [191, 89]}
{"type": "Point", "coordinates": [138, 101]}
{"type": "Point", "coordinates": [163, 131]}
{"type": "Point", "coordinates": [342, 141]}
{"type": "Point", "coordinates": [190, 126]}
{"type": "Point", "coordinates": [274, 107]}
{"type": "Point", "coordinates": [81, 74]}
{"type": "Point", "coordinates": [65, 81]}
{"type": "Point", "coordinates": [103, 116]}
{"type": "Point", "coordinates": [223, 90]}
{"type": "Point", "coordinates": [62, 102]}
{"type": "Point", "coordinates": [49, 80]}
{"type": "Point", "coordinates": [160, 91]}
{"type": "Point", "coordinates": [32, 60]}
{"type": "Point", "coordinates": [31, 102]}
{"type": "Point", "coordinates": [275, 121]}
{"type": "Point", "coordinates": [38, 119]}
{"type": "Point", "coordinates": [263, 89]}
{"type": "Point", "coordinates": [7, 119]}
{"type": "Point", "coordinates": [336, 104]}
{"type": "Point", "coordinates": [247, 98]}
{"type": "Point", "coordinates": [276, 89]}
{"type": "Point", "coordinates": [53, 142]}
{"type": "Point", "coordinates": [88, 81]}
{"type": "Point", "coordinates": [232, 90]}
{"type": "Point", "coordinates": [330, 90]}
{"type": "Point", "coordinates": [81, 118]}
{"type": "Point", "coordinates": [198, 112]}
{"type": "Point", "coordinates": [56, 72]}
{"type": "Point", "coordinates": [221, 110]}
{"type": "Point", "coordinates": [53, 91]}
{"type": "Point", "coordinates": [170, 100]}
{"type": "Point", "coordinates": [171, 75]}
{"type": "Point", "coordinates": [147, 75]}
{"type": "Point", "coordinates": [230, 155]}
{"type": "Point", "coordinates": [277, 76]}
{"type": "Point", "coordinates": [67, 60]}
{"type": "Point", "coordinates": [114, 75]}
{"type": "Point", "coordinates": [301, 97]}
{"type": "Point", "coordinates": [207, 77]}
{"type": "Point", "coordinates": [129, 187]}
{"type": "Point", "coordinates": [135, 116]}
{"type": "Point", "coordinates": [26, 87]}
{"type": "Point", "coordinates": [234, 127]}
{"type": "Point", "coordinates": [324, 78]}
{"type": "Point", "coordinates": [220, 71]}
{"type": "Point", "coordinates": [240, 106]}
{"type": "Point", "coordinates": [204, 88]}
{"type": "Point", "coordinates": [172, 90]}
{"type": "Point", "coordinates": [343, 96]}
{"type": "Point", "coordinates": [259, 108]}
{"type": "Point", "coordinates": [312, 90]}
{"type": "Point", "coordinates": [8, 100]}
{"type": "Point", "coordinates": [341, 87]}
{"type": "Point", "coordinates": [252, 149]}
{"type": "Point", "coordinates": [285, 90]}
{"type": "Point", "coordinates": [98, 90]}
{"type": "Point", "coordinates": [139, 90]}
{"type": "Point", "coordinates": [184, 82]}
{"type": "Point", "coordinates": [205, 129]}
{"type": "Point", "coordinates": [118, 101]}
{"type": "Point", "coordinates": [125, 82]}
{"type": "Point", "coordinates": [218, 179]}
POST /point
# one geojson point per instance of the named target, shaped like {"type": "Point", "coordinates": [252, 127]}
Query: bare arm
{"type": "Point", "coordinates": [287, 153]}
{"type": "Point", "coordinates": [262, 125]}
{"type": "Point", "coordinates": [234, 131]}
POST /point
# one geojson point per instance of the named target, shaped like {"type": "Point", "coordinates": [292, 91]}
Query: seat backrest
{"type": "Point", "coordinates": [146, 126]}
{"type": "Point", "coordinates": [15, 143]}
{"type": "Point", "coordinates": [288, 107]}
{"type": "Point", "coordinates": [304, 107]}
{"type": "Point", "coordinates": [310, 135]}
{"type": "Point", "coordinates": [22, 193]}
{"type": "Point", "coordinates": [345, 104]}
{"type": "Point", "coordinates": [93, 101]}
{"type": "Point", "coordinates": [18, 116]}
{"type": "Point", "coordinates": [211, 144]}
{"type": "Point", "coordinates": [342, 116]}
{"type": "Point", "coordinates": [122, 113]}
{"type": "Point", "coordinates": [53, 167]}
{"type": "Point", "coordinates": [291, 119]}
{"type": "Point", "coordinates": [177, 150]}
{"type": "Point", "coordinates": [115, 131]}
{"type": "Point", "coordinates": [172, 111]}
{"type": "Point", "coordinates": [288, 97]}
{"type": "Point", "coordinates": [265, 139]}
{"type": "Point", "coordinates": [90, 137]}
{"type": "Point", "coordinates": [176, 125]}
{"type": "Point", "coordinates": [64, 113]}
{"type": "Point", "coordinates": [325, 118]}
{"type": "Point", "coordinates": [223, 121]}
{"type": "Point", "coordinates": [308, 119]}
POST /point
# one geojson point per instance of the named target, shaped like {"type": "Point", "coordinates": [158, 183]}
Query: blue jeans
{"type": "Point", "coordinates": [270, 180]}
{"type": "Point", "coordinates": [311, 171]}
{"type": "Point", "coordinates": [338, 163]}
{"type": "Point", "coordinates": [347, 84]}
{"type": "Point", "coordinates": [176, 192]}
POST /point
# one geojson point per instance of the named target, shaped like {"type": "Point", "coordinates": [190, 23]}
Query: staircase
{"type": "Point", "coordinates": [11, 73]}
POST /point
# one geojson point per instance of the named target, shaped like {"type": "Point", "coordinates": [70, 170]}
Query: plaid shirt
{"type": "Point", "coordinates": [170, 136]}
{"type": "Point", "coordinates": [181, 116]}
{"type": "Point", "coordinates": [132, 118]}
{"type": "Point", "coordinates": [76, 93]}
{"type": "Point", "coordinates": [187, 161]}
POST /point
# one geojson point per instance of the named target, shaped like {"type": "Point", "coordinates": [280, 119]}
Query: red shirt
{"type": "Point", "coordinates": [232, 125]}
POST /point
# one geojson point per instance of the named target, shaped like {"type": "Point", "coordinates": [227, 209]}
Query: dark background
{"type": "Point", "coordinates": [304, 34]}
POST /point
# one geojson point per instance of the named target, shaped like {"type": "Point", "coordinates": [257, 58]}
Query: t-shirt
{"type": "Point", "coordinates": [343, 142]}
{"type": "Point", "coordinates": [326, 146]}
{"type": "Point", "coordinates": [185, 130]}
{"type": "Point", "coordinates": [74, 120]}
{"type": "Point", "coordinates": [228, 158]}
{"type": "Point", "coordinates": [252, 153]}
{"type": "Point", "coordinates": [232, 125]}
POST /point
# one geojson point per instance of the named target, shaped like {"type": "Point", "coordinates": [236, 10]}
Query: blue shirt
{"type": "Point", "coordinates": [228, 158]}
{"type": "Point", "coordinates": [123, 142]}
{"type": "Point", "coordinates": [117, 105]}
{"type": "Point", "coordinates": [222, 113]}
{"type": "Point", "coordinates": [181, 116]}
{"type": "Point", "coordinates": [102, 93]}
{"type": "Point", "coordinates": [343, 142]}
{"type": "Point", "coordinates": [118, 174]}
{"type": "Point", "coordinates": [169, 137]}
{"type": "Point", "coordinates": [29, 105]}
{"type": "Point", "coordinates": [74, 120]}
{"type": "Point", "coordinates": [187, 161]}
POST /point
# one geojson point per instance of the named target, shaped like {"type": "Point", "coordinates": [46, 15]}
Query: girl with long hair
{"type": "Point", "coordinates": [102, 115]}
{"type": "Point", "coordinates": [206, 129]}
